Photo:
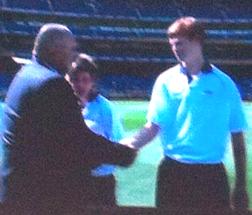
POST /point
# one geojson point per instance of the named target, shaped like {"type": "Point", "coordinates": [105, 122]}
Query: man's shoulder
{"type": "Point", "coordinates": [37, 71]}
{"type": "Point", "coordinates": [169, 73]}
{"type": "Point", "coordinates": [38, 83]}
{"type": "Point", "coordinates": [171, 70]}
{"type": "Point", "coordinates": [34, 75]}
{"type": "Point", "coordinates": [222, 76]}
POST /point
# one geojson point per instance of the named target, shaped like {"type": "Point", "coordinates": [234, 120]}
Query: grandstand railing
{"type": "Point", "coordinates": [151, 22]}
{"type": "Point", "coordinates": [158, 9]}
{"type": "Point", "coordinates": [110, 30]}
{"type": "Point", "coordinates": [132, 34]}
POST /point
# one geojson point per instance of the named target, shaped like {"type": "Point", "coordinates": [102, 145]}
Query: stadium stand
{"type": "Point", "coordinates": [162, 9]}
{"type": "Point", "coordinates": [27, 5]}
{"type": "Point", "coordinates": [114, 85]}
{"type": "Point", "coordinates": [122, 33]}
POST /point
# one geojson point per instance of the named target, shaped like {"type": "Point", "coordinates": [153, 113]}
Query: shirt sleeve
{"type": "Point", "coordinates": [117, 128]}
{"type": "Point", "coordinates": [158, 102]}
{"type": "Point", "coordinates": [112, 121]}
{"type": "Point", "coordinates": [237, 121]}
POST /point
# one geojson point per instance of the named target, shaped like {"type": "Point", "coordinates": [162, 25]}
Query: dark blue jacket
{"type": "Point", "coordinates": [48, 149]}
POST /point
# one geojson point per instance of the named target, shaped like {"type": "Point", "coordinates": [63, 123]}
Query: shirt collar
{"type": "Point", "coordinates": [42, 63]}
{"type": "Point", "coordinates": [206, 68]}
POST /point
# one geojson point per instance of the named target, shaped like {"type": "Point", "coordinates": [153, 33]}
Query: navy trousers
{"type": "Point", "coordinates": [201, 186]}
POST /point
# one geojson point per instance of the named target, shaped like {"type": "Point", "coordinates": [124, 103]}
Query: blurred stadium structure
{"type": "Point", "coordinates": [128, 38]}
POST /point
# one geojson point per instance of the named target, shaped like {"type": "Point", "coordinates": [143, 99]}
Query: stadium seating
{"type": "Point", "coordinates": [117, 85]}
{"type": "Point", "coordinates": [5, 80]}
{"type": "Point", "coordinates": [140, 9]}
{"type": "Point", "coordinates": [21, 27]}
{"type": "Point", "coordinates": [27, 4]}
{"type": "Point", "coordinates": [239, 10]}
{"type": "Point", "coordinates": [73, 6]}
{"type": "Point", "coordinates": [122, 32]}
{"type": "Point", "coordinates": [244, 85]}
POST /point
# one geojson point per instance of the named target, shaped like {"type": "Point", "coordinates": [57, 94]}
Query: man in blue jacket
{"type": "Point", "coordinates": [48, 149]}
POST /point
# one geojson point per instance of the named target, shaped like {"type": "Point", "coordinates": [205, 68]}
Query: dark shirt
{"type": "Point", "coordinates": [48, 149]}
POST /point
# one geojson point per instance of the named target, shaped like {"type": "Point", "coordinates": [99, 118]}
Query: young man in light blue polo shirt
{"type": "Point", "coordinates": [195, 107]}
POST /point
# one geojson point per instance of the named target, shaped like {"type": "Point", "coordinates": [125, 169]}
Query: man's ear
{"type": "Point", "coordinates": [50, 55]}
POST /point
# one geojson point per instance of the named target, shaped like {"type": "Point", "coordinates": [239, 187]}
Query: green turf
{"type": "Point", "coordinates": [133, 113]}
{"type": "Point", "coordinates": [136, 185]}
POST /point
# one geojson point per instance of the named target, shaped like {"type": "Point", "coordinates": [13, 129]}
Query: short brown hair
{"type": "Point", "coordinates": [187, 27]}
{"type": "Point", "coordinates": [83, 63]}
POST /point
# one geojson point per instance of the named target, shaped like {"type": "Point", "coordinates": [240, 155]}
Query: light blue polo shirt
{"type": "Point", "coordinates": [102, 118]}
{"type": "Point", "coordinates": [196, 118]}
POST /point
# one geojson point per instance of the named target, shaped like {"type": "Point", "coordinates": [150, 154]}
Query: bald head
{"type": "Point", "coordinates": [55, 46]}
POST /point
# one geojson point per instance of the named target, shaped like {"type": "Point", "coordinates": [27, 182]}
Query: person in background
{"type": "Point", "coordinates": [101, 117]}
{"type": "Point", "coordinates": [194, 108]}
{"type": "Point", "coordinates": [48, 149]}
{"type": "Point", "coordinates": [8, 68]}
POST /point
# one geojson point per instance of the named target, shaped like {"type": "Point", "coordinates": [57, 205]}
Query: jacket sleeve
{"type": "Point", "coordinates": [71, 137]}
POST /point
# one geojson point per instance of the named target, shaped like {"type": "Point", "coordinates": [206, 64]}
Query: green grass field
{"type": "Point", "coordinates": [136, 185]}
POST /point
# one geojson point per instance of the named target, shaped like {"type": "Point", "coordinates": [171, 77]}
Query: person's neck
{"type": "Point", "coordinates": [194, 66]}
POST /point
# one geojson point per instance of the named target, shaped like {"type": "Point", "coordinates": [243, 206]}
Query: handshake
{"type": "Point", "coordinates": [144, 136]}
{"type": "Point", "coordinates": [127, 152]}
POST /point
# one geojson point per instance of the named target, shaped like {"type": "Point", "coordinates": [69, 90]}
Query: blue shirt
{"type": "Point", "coordinates": [101, 117]}
{"type": "Point", "coordinates": [1, 148]}
{"type": "Point", "coordinates": [1, 115]}
{"type": "Point", "coordinates": [196, 118]}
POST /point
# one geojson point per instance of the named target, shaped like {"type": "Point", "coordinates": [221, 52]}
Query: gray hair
{"type": "Point", "coordinates": [49, 36]}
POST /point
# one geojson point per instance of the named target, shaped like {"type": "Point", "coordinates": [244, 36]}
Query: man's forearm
{"type": "Point", "coordinates": [240, 200]}
{"type": "Point", "coordinates": [239, 158]}
{"type": "Point", "coordinates": [144, 136]}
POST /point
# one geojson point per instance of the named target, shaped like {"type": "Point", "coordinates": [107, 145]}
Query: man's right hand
{"type": "Point", "coordinates": [126, 155]}
{"type": "Point", "coordinates": [143, 136]}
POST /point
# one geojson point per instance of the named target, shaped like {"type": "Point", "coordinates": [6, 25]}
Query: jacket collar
{"type": "Point", "coordinates": [44, 64]}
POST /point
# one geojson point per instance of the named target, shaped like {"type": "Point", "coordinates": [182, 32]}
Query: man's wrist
{"type": "Point", "coordinates": [130, 142]}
